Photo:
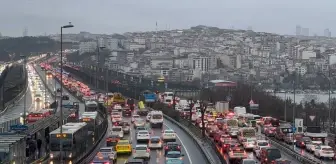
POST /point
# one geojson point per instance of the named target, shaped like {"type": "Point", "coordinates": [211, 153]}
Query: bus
{"type": "Point", "coordinates": [91, 106]}
{"type": "Point", "coordinates": [74, 140]}
{"type": "Point", "coordinates": [35, 116]}
{"type": "Point", "coordinates": [92, 119]}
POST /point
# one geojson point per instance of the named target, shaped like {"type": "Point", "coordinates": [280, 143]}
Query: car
{"type": "Point", "coordinates": [125, 126]}
{"type": "Point", "coordinates": [173, 157]}
{"type": "Point", "coordinates": [124, 146]}
{"type": "Point", "coordinates": [139, 122]}
{"type": "Point", "coordinates": [171, 146]}
{"type": "Point", "coordinates": [127, 112]}
{"type": "Point", "coordinates": [156, 119]}
{"type": "Point", "coordinates": [142, 135]}
{"type": "Point", "coordinates": [323, 151]}
{"type": "Point", "coordinates": [100, 158]}
{"type": "Point", "coordinates": [155, 142]}
{"type": "Point", "coordinates": [135, 161]}
{"type": "Point", "coordinates": [110, 152]}
{"type": "Point", "coordinates": [301, 143]}
{"type": "Point", "coordinates": [116, 117]}
{"type": "Point", "coordinates": [38, 97]}
{"type": "Point", "coordinates": [228, 144]}
{"type": "Point", "coordinates": [260, 144]}
{"type": "Point", "coordinates": [148, 117]}
{"type": "Point", "coordinates": [249, 144]}
{"type": "Point", "coordinates": [141, 151]}
{"type": "Point", "coordinates": [270, 132]}
{"type": "Point", "coordinates": [134, 117]}
{"type": "Point", "coordinates": [168, 135]}
{"type": "Point", "coordinates": [117, 130]}
{"type": "Point", "coordinates": [310, 147]}
{"type": "Point", "coordinates": [271, 155]}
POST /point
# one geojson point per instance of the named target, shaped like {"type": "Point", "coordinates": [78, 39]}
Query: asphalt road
{"type": "Point", "coordinates": [51, 85]}
{"type": "Point", "coordinates": [15, 111]}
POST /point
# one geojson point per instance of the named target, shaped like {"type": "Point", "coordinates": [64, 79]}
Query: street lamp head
{"type": "Point", "coordinates": [68, 26]}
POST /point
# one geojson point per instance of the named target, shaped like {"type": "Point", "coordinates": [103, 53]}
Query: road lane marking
{"type": "Point", "coordinates": [185, 148]}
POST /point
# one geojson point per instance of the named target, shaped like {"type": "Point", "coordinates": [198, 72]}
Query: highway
{"type": "Point", "coordinates": [193, 155]}
{"type": "Point", "coordinates": [51, 85]}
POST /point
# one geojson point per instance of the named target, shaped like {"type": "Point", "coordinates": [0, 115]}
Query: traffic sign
{"type": "Point", "coordinates": [18, 127]}
{"type": "Point", "coordinates": [254, 106]}
{"type": "Point", "coordinates": [312, 118]}
{"type": "Point", "coordinates": [251, 102]}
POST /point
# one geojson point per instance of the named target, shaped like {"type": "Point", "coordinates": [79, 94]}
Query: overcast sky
{"type": "Point", "coordinates": [118, 16]}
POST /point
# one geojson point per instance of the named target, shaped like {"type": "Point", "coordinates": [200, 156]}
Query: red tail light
{"type": "Point", "coordinates": [40, 115]}
{"type": "Point", "coordinates": [134, 151]}
{"type": "Point", "coordinates": [148, 150]}
{"type": "Point", "coordinates": [166, 147]}
{"type": "Point", "coordinates": [302, 143]}
{"type": "Point", "coordinates": [179, 147]}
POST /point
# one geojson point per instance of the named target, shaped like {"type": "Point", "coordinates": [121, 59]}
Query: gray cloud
{"type": "Point", "coordinates": [111, 16]}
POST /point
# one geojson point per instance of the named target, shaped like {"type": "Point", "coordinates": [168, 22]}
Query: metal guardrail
{"type": "Point", "coordinates": [15, 100]}
{"type": "Point", "coordinates": [288, 150]}
{"type": "Point", "coordinates": [202, 143]}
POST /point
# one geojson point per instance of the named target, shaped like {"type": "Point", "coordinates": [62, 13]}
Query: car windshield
{"type": "Point", "coordinates": [139, 121]}
{"type": "Point", "coordinates": [327, 149]}
{"type": "Point", "coordinates": [105, 150]}
{"type": "Point", "coordinates": [168, 131]}
{"type": "Point", "coordinates": [141, 148]}
{"type": "Point", "coordinates": [173, 155]}
{"type": "Point", "coordinates": [262, 144]}
{"type": "Point", "coordinates": [143, 132]}
{"type": "Point", "coordinates": [116, 129]}
{"type": "Point", "coordinates": [157, 116]}
{"type": "Point", "coordinates": [136, 116]}
{"type": "Point", "coordinates": [155, 140]}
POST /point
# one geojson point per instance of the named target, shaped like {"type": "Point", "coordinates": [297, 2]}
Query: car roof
{"type": "Point", "coordinates": [123, 141]}
{"type": "Point", "coordinates": [141, 145]}
{"type": "Point", "coordinates": [155, 137]}
{"type": "Point", "coordinates": [169, 130]}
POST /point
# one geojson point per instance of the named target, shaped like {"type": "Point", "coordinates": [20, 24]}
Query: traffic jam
{"type": "Point", "coordinates": [40, 98]}
{"type": "Point", "coordinates": [130, 122]}
{"type": "Point", "coordinates": [238, 133]}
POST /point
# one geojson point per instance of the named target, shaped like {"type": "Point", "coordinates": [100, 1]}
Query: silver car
{"type": "Point", "coordinates": [139, 122]}
{"type": "Point", "coordinates": [155, 143]}
{"type": "Point", "coordinates": [141, 151]}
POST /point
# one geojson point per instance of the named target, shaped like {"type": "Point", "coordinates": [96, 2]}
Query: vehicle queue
{"type": "Point", "coordinates": [123, 118]}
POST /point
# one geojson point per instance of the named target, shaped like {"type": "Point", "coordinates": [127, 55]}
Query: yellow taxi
{"type": "Point", "coordinates": [124, 146]}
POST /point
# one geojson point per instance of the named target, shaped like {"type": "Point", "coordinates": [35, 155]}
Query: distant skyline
{"type": "Point", "coordinates": [42, 17]}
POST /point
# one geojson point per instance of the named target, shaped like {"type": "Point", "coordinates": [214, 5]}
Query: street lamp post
{"type": "Point", "coordinates": [203, 107]}
{"type": "Point", "coordinates": [25, 94]}
{"type": "Point", "coordinates": [61, 108]}
{"type": "Point", "coordinates": [294, 88]}
{"type": "Point", "coordinates": [97, 63]}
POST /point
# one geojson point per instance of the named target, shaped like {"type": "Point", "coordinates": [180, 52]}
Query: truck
{"type": "Point", "coordinates": [118, 98]}
{"type": "Point", "coordinates": [238, 110]}
{"type": "Point", "coordinates": [143, 111]}
{"type": "Point", "coordinates": [232, 127]}
{"type": "Point", "coordinates": [222, 107]}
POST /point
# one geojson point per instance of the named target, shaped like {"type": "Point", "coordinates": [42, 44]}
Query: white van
{"type": "Point", "coordinates": [156, 119]}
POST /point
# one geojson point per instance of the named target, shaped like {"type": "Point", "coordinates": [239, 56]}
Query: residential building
{"type": "Point", "coordinates": [87, 46]}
